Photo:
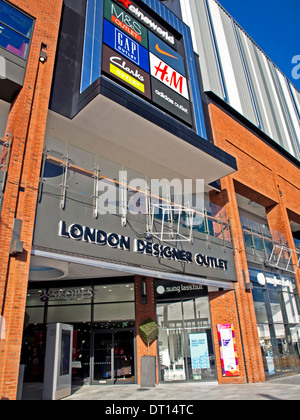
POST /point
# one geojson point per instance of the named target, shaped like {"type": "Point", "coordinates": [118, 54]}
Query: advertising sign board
{"type": "Point", "coordinates": [171, 101]}
{"type": "Point", "coordinates": [228, 352]}
{"type": "Point", "coordinates": [166, 53]}
{"type": "Point", "coordinates": [199, 351]}
{"type": "Point", "coordinates": [167, 75]}
{"type": "Point", "coordinates": [147, 20]}
{"type": "Point", "coordinates": [120, 42]}
{"type": "Point", "coordinates": [124, 20]}
{"type": "Point", "coordinates": [124, 71]}
{"type": "Point", "coordinates": [142, 58]}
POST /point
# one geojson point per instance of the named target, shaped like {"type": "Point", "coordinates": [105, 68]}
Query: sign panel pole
{"type": "Point", "coordinates": [58, 362]}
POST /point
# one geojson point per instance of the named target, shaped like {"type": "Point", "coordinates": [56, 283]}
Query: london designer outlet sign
{"type": "Point", "coordinates": [99, 237]}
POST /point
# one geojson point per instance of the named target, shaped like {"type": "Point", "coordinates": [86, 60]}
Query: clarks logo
{"type": "Point", "coordinates": [117, 61]}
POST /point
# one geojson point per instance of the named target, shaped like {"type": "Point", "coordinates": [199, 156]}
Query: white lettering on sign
{"type": "Point", "coordinates": [99, 237]}
{"type": "Point", "coordinates": [167, 75]}
{"type": "Point", "coordinates": [127, 46]}
{"type": "Point", "coordinates": [71, 294]}
{"type": "Point", "coordinates": [117, 61]}
{"type": "Point", "coordinates": [147, 21]}
{"type": "Point", "coordinates": [126, 19]}
{"type": "Point", "coordinates": [171, 101]}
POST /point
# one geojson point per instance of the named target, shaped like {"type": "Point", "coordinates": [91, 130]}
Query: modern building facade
{"type": "Point", "coordinates": [150, 167]}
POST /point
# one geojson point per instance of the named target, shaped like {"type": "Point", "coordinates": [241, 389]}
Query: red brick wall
{"type": "Point", "coordinates": [270, 179]}
{"type": "Point", "coordinates": [27, 122]}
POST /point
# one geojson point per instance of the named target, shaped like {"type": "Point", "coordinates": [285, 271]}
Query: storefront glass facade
{"type": "Point", "coordinates": [185, 341]}
{"type": "Point", "coordinates": [103, 317]}
{"type": "Point", "coordinates": [277, 312]}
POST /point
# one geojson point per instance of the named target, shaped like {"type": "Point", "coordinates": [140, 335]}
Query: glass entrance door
{"type": "Point", "coordinates": [113, 357]}
{"type": "Point", "coordinates": [103, 357]}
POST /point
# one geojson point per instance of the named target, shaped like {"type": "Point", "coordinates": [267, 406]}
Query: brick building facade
{"type": "Point", "coordinates": [25, 129]}
{"type": "Point", "coordinates": [69, 125]}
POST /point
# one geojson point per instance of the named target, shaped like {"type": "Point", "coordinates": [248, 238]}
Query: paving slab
{"type": "Point", "coordinates": [276, 389]}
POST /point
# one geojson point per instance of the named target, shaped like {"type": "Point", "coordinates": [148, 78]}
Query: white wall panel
{"type": "Point", "coordinates": [291, 114]}
{"type": "Point", "coordinates": [196, 14]}
{"type": "Point", "coordinates": [225, 57]}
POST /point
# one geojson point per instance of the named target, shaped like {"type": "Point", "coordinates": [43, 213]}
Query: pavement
{"type": "Point", "coordinates": [279, 388]}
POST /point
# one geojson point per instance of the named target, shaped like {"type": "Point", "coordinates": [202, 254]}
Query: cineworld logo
{"type": "Point", "coordinates": [147, 21]}
{"type": "Point", "coordinates": [168, 76]}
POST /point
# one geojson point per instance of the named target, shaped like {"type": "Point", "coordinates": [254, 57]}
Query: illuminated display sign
{"type": "Point", "coordinates": [148, 21]}
{"type": "Point", "coordinates": [171, 101]}
{"type": "Point", "coordinates": [120, 18]}
{"type": "Point", "coordinates": [139, 58]}
{"type": "Point", "coordinates": [165, 53]}
{"type": "Point", "coordinates": [168, 76]}
{"type": "Point", "coordinates": [119, 41]}
{"type": "Point", "coordinates": [123, 70]}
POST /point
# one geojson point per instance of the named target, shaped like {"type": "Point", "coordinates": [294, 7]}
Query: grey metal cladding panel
{"type": "Point", "coordinates": [266, 97]}
{"type": "Point", "coordinates": [239, 73]}
{"type": "Point", "coordinates": [289, 112]}
{"type": "Point", "coordinates": [282, 114]}
{"type": "Point", "coordinates": [296, 97]}
{"type": "Point", "coordinates": [206, 48]}
{"type": "Point", "coordinates": [255, 79]}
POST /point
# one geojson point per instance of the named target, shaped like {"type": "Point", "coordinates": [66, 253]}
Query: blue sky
{"type": "Point", "coordinates": [274, 26]}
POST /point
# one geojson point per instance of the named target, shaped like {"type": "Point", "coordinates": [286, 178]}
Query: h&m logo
{"type": "Point", "coordinates": [168, 76]}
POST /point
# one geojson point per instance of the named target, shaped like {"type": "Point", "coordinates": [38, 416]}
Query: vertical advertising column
{"type": "Point", "coordinates": [228, 353]}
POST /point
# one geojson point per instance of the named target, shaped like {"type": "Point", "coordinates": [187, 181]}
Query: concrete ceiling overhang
{"type": "Point", "coordinates": [142, 141]}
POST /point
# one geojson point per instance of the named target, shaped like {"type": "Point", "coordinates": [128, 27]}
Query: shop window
{"type": "Point", "coordinates": [15, 30]}
{"type": "Point", "coordinates": [34, 315]}
{"type": "Point", "coordinates": [69, 314]}
{"type": "Point", "coordinates": [275, 303]}
{"type": "Point", "coordinates": [114, 312]}
{"type": "Point", "coordinates": [277, 313]}
{"type": "Point", "coordinates": [260, 298]}
{"type": "Point", "coordinates": [185, 340]}
{"type": "Point", "coordinates": [114, 293]}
